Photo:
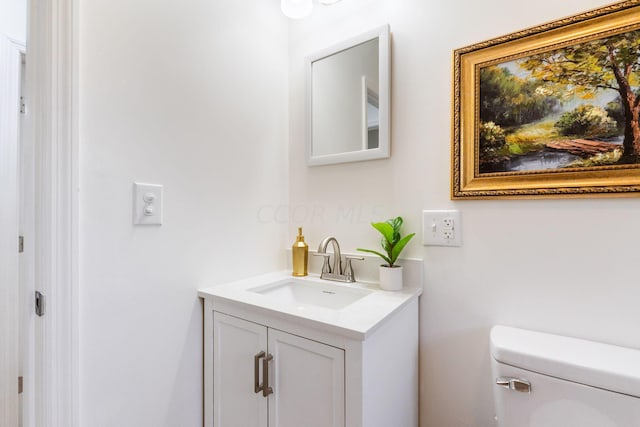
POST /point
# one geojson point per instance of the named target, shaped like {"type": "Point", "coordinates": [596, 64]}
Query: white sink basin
{"type": "Point", "coordinates": [352, 310]}
{"type": "Point", "coordinates": [301, 294]}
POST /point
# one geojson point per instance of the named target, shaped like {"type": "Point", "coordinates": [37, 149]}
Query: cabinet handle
{"type": "Point", "coordinates": [257, 387]}
{"type": "Point", "coordinates": [266, 390]}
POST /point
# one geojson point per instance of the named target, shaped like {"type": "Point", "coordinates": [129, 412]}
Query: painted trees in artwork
{"type": "Point", "coordinates": [606, 64]}
{"type": "Point", "coordinates": [508, 101]}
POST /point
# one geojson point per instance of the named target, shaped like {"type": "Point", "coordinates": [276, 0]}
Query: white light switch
{"type": "Point", "coordinates": [147, 204]}
{"type": "Point", "coordinates": [441, 228]}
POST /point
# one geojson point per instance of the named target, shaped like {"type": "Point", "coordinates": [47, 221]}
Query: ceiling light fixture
{"type": "Point", "coordinates": [297, 9]}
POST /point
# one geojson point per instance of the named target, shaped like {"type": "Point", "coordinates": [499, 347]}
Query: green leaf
{"type": "Point", "coordinates": [386, 245]}
{"type": "Point", "coordinates": [384, 257]}
{"type": "Point", "coordinates": [399, 247]}
{"type": "Point", "coordinates": [385, 229]}
{"type": "Point", "coordinates": [396, 223]}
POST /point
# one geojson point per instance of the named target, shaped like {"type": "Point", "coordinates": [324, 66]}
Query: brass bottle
{"type": "Point", "coordinates": [300, 255]}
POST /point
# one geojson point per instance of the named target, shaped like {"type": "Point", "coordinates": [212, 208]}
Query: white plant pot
{"type": "Point", "coordinates": [391, 278]}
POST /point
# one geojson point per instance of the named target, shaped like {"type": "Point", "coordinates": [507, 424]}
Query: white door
{"type": "Point", "coordinates": [237, 346]}
{"type": "Point", "coordinates": [10, 60]}
{"type": "Point", "coordinates": [308, 382]}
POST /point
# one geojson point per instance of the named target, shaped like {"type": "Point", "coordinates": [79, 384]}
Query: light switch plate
{"type": "Point", "coordinates": [441, 228]}
{"type": "Point", "coordinates": [147, 204]}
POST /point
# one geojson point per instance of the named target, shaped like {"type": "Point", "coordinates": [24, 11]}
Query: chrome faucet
{"type": "Point", "coordinates": [337, 273]}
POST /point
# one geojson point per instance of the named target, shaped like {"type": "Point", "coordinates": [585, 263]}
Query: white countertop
{"type": "Point", "coordinates": [356, 321]}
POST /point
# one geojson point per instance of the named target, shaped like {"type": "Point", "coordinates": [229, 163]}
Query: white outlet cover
{"type": "Point", "coordinates": [147, 204]}
{"type": "Point", "coordinates": [441, 228]}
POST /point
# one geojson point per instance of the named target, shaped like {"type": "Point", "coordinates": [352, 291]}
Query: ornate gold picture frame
{"type": "Point", "coordinates": [552, 111]}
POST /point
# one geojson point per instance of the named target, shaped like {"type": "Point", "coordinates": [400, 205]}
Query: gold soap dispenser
{"type": "Point", "coordinates": [300, 255]}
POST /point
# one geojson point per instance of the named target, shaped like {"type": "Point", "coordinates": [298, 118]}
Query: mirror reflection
{"type": "Point", "coordinates": [345, 93]}
{"type": "Point", "coordinates": [348, 97]}
{"type": "Point", "coordinates": [372, 118]}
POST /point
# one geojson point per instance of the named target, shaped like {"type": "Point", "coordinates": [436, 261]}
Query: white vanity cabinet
{"type": "Point", "coordinates": [304, 379]}
{"type": "Point", "coordinates": [355, 366]}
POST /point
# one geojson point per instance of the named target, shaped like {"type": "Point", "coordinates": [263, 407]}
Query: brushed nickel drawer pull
{"type": "Point", "coordinates": [266, 390]}
{"type": "Point", "coordinates": [257, 387]}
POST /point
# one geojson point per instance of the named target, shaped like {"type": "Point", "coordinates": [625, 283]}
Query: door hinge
{"type": "Point", "coordinates": [20, 381]}
{"type": "Point", "coordinates": [40, 304]}
{"type": "Point", "coordinates": [20, 244]}
{"type": "Point", "coordinates": [23, 106]}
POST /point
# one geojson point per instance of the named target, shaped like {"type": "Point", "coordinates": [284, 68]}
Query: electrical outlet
{"type": "Point", "coordinates": [441, 228]}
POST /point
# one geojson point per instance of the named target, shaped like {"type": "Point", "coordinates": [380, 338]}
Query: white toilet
{"type": "Point", "coordinates": [543, 380]}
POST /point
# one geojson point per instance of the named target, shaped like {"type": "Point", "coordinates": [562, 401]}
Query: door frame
{"type": "Point", "coordinates": [10, 86]}
{"type": "Point", "coordinates": [52, 130]}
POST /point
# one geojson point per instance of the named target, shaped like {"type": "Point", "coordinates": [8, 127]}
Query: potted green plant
{"type": "Point", "coordinates": [392, 243]}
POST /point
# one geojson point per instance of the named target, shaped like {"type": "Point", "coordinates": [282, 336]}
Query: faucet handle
{"type": "Point", "coordinates": [326, 268]}
{"type": "Point", "coordinates": [348, 268]}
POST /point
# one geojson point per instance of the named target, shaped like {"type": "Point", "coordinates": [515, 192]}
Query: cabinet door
{"type": "Point", "coordinates": [308, 382]}
{"type": "Point", "coordinates": [235, 344]}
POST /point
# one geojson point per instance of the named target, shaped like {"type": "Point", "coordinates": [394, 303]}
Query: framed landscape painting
{"type": "Point", "coordinates": [552, 111]}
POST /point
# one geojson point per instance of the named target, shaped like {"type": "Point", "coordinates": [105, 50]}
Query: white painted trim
{"type": "Point", "coordinates": [52, 82]}
{"type": "Point", "coordinates": [9, 225]}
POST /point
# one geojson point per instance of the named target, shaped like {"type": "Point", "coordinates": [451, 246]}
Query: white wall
{"type": "Point", "coordinates": [193, 95]}
{"type": "Point", "coordinates": [13, 19]}
{"type": "Point", "coordinates": [563, 266]}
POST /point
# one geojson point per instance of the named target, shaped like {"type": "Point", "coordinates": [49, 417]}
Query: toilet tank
{"type": "Point", "coordinates": [543, 380]}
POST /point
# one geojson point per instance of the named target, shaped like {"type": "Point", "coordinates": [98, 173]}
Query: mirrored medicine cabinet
{"type": "Point", "coordinates": [348, 99]}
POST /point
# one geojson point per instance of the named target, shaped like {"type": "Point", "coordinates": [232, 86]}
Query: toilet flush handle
{"type": "Point", "coordinates": [517, 384]}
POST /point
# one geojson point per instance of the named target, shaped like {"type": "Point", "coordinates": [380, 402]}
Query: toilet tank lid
{"type": "Point", "coordinates": [586, 362]}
